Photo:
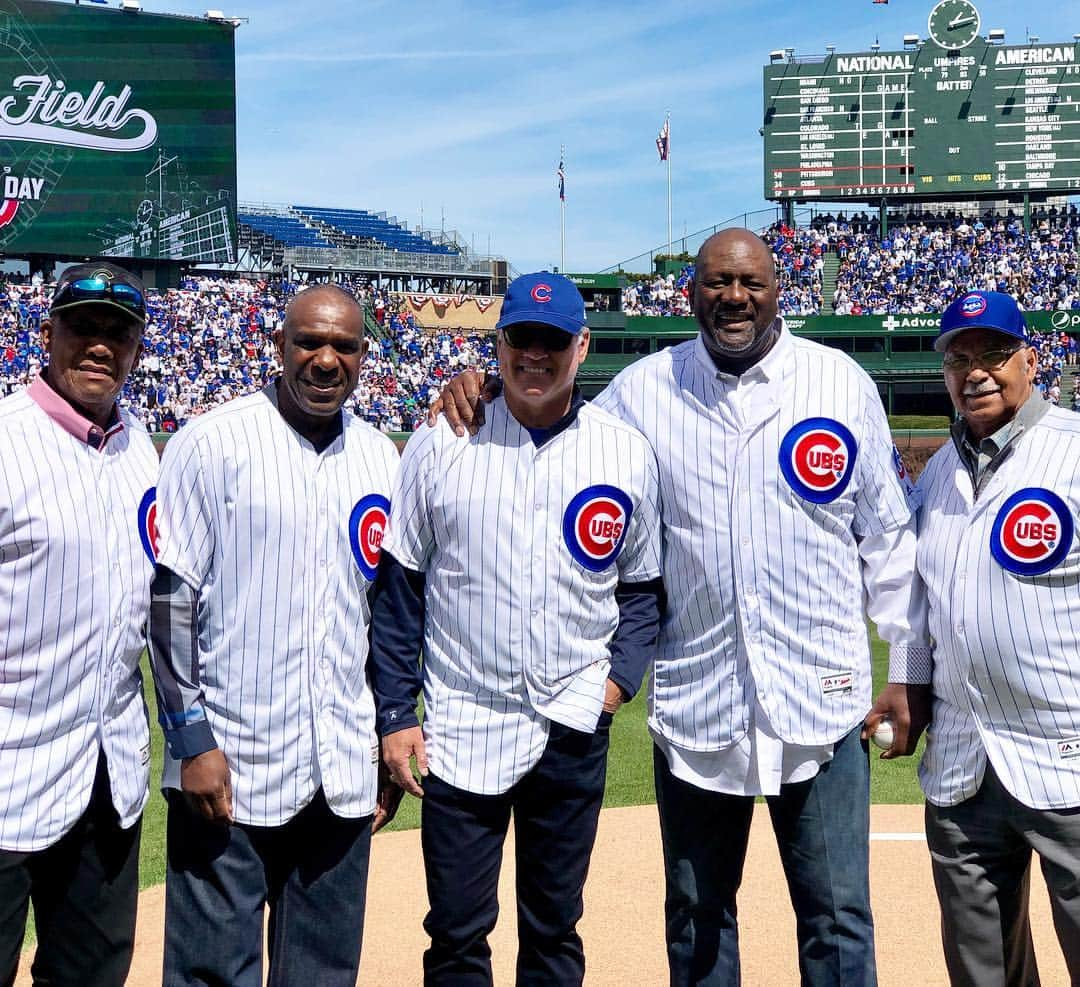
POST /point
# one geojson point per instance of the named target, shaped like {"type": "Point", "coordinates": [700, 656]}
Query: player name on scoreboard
{"type": "Point", "coordinates": [984, 118]}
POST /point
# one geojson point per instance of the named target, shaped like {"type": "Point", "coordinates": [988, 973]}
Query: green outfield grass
{"type": "Point", "coordinates": [917, 422]}
{"type": "Point", "coordinates": [629, 777]}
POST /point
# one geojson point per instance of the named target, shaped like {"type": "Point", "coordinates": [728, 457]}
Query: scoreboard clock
{"type": "Point", "coordinates": [954, 24]}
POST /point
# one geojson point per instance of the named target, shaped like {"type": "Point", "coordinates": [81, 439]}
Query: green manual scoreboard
{"type": "Point", "coordinates": [954, 113]}
{"type": "Point", "coordinates": [117, 133]}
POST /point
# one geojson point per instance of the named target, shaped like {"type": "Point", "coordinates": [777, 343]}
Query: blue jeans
{"type": "Point", "coordinates": [555, 807]}
{"type": "Point", "coordinates": [312, 872]}
{"type": "Point", "coordinates": [822, 828]}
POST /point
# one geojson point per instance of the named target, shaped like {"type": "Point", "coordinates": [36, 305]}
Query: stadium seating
{"type": "Point", "coordinates": [842, 266]}
{"type": "Point", "coordinates": [373, 227]}
{"type": "Point", "coordinates": [288, 230]}
{"type": "Point", "coordinates": [211, 340]}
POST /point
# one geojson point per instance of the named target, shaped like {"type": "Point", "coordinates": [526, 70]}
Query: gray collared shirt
{"type": "Point", "coordinates": [983, 459]}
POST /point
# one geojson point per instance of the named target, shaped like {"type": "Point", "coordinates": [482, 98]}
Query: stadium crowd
{"type": "Point", "coordinates": [211, 339]}
{"type": "Point", "coordinates": [923, 262]}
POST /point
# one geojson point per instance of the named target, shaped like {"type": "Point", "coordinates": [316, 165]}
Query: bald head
{"type": "Point", "coordinates": [734, 295]}
{"type": "Point", "coordinates": [738, 239]}
{"type": "Point", "coordinates": [332, 294]}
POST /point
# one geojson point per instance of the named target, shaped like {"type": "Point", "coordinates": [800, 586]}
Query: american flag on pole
{"type": "Point", "coordinates": [663, 140]}
{"type": "Point", "coordinates": [562, 181]}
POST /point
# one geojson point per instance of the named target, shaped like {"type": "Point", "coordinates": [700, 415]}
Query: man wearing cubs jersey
{"type": "Point", "coordinates": [524, 562]}
{"type": "Point", "coordinates": [782, 509]}
{"type": "Point", "coordinates": [76, 492]}
{"type": "Point", "coordinates": [1000, 558]}
{"type": "Point", "coordinates": [272, 511]}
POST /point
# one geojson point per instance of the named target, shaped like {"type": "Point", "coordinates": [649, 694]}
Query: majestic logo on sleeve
{"type": "Point", "coordinates": [148, 529]}
{"type": "Point", "coordinates": [367, 525]}
{"type": "Point", "coordinates": [817, 458]}
{"type": "Point", "coordinates": [1032, 532]}
{"type": "Point", "coordinates": [594, 525]}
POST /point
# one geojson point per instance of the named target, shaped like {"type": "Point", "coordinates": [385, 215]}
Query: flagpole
{"type": "Point", "coordinates": [668, 124]}
{"type": "Point", "coordinates": [562, 213]}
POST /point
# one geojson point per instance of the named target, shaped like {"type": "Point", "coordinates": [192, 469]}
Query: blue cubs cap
{"type": "Point", "coordinates": [982, 310]}
{"type": "Point", "coordinates": [548, 298]}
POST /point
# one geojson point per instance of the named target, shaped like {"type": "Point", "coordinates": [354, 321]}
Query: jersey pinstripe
{"type": "Point", "coordinates": [517, 624]}
{"type": "Point", "coordinates": [765, 584]}
{"type": "Point", "coordinates": [258, 523]}
{"type": "Point", "coordinates": [75, 590]}
{"type": "Point", "coordinates": [1006, 665]}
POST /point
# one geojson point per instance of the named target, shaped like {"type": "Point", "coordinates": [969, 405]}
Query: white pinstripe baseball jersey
{"type": "Point", "coordinates": [522, 547]}
{"type": "Point", "coordinates": [75, 588]}
{"type": "Point", "coordinates": [281, 543]}
{"type": "Point", "coordinates": [765, 504]}
{"type": "Point", "coordinates": [1002, 574]}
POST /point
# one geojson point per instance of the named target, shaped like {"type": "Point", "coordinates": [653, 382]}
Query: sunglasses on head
{"type": "Point", "coordinates": [524, 336]}
{"type": "Point", "coordinates": [97, 289]}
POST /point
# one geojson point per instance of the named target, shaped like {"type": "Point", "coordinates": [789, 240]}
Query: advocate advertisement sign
{"type": "Point", "coordinates": [117, 133]}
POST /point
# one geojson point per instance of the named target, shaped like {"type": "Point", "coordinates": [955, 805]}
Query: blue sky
{"type": "Point", "coordinates": [462, 106]}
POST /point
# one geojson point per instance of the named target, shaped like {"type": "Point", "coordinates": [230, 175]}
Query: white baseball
{"type": "Point", "coordinates": [883, 735]}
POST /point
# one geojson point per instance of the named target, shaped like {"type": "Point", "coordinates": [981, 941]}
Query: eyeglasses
{"type": "Point", "coordinates": [97, 289]}
{"type": "Point", "coordinates": [525, 336]}
{"type": "Point", "coordinates": [957, 363]}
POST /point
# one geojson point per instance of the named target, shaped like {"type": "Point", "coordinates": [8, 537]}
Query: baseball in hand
{"type": "Point", "coordinates": [883, 735]}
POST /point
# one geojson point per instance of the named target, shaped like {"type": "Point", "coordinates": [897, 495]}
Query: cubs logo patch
{"type": "Point", "coordinates": [902, 473]}
{"type": "Point", "coordinates": [541, 293]}
{"type": "Point", "coordinates": [367, 525]}
{"type": "Point", "coordinates": [147, 521]}
{"type": "Point", "coordinates": [973, 305]}
{"type": "Point", "coordinates": [1032, 532]}
{"type": "Point", "coordinates": [594, 525]}
{"type": "Point", "coordinates": [817, 458]}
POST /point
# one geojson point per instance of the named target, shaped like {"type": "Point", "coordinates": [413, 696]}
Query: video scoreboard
{"type": "Point", "coordinates": [952, 114]}
{"type": "Point", "coordinates": [117, 133]}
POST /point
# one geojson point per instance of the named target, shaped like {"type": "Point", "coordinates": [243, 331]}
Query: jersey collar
{"type": "Point", "coordinates": [71, 421]}
{"type": "Point", "coordinates": [770, 366]}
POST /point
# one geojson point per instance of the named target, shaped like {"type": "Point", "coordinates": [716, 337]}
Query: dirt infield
{"type": "Point", "coordinates": [623, 924]}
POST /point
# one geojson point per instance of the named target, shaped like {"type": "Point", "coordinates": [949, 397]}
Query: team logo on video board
{"type": "Point", "coordinates": [1032, 532]}
{"type": "Point", "coordinates": [148, 529]}
{"type": "Point", "coordinates": [817, 458]}
{"type": "Point", "coordinates": [594, 525]}
{"type": "Point", "coordinates": [367, 525]}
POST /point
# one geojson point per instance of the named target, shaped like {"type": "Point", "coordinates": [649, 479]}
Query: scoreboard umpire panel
{"type": "Point", "coordinates": [925, 122]}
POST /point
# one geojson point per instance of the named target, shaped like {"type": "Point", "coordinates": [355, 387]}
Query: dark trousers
{"type": "Point", "coordinates": [312, 872]}
{"type": "Point", "coordinates": [85, 890]}
{"type": "Point", "coordinates": [822, 828]}
{"type": "Point", "coordinates": [981, 853]}
{"type": "Point", "coordinates": [555, 808]}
